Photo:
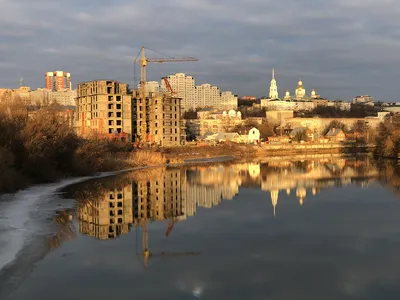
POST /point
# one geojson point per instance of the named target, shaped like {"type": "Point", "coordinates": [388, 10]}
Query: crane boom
{"type": "Point", "coordinates": [171, 59]}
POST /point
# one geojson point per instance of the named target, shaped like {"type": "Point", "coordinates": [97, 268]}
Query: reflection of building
{"type": "Point", "coordinates": [175, 194]}
{"type": "Point", "coordinates": [108, 216]}
{"type": "Point", "coordinates": [159, 198]}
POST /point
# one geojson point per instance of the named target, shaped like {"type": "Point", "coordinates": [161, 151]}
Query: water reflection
{"type": "Point", "coordinates": [111, 208]}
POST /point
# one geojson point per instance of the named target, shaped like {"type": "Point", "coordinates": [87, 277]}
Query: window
{"type": "Point", "coordinates": [118, 106]}
{"type": "Point", "coordinates": [119, 122]}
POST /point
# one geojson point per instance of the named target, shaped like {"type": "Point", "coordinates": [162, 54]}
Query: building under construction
{"type": "Point", "coordinates": [104, 108]}
{"type": "Point", "coordinates": [158, 120]}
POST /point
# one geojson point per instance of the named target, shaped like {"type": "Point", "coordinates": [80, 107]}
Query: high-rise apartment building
{"type": "Point", "coordinates": [158, 120]}
{"type": "Point", "coordinates": [104, 107]}
{"type": "Point", "coordinates": [208, 95]}
{"type": "Point", "coordinates": [58, 80]}
{"type": "Point", "coordinates": [204, 95]}
{"type": "Point", "coordinates": [184, 88]}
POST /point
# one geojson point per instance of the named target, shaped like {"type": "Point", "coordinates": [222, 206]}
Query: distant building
{"type": "Point", "coordinates": [103, 107]}
{"type": "Point", "coordinates": [248, 98]}
{"type": "Point", "coordinates": [58, 80]}
{"type": "Point", "coordinates": [204, 95]}
{"type": "Point", "coordinates": [228, 101]}
{"type": "Point", "coordinates": [253, 136]}
{"type": "Point", "coordinates": [277, 117]}
{"type": "Point", "coordinates": [365, 99]}
{"type": "Point", "coordinates": [300, 90]}
{"type": "Point", "coordinates": [336, 135]}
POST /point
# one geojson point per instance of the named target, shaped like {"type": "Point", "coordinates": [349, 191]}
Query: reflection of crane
{"type": "Point", "coordinates": [146, 254]}
{"type": "Point", "coordinates": [170, 226]}
{"type": "Point", "coordinates": [143, 63]}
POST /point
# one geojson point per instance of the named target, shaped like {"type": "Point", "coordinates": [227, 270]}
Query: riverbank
{"type": "Point", "coordinates": [240, 151]}
{"type": "Point", "coordinates": [189, 154]}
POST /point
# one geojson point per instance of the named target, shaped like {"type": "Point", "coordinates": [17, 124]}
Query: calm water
{"type": "Point", "coordinates": [327, 228]}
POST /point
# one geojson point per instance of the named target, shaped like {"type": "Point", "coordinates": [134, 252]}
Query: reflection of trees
{"type": "Point", "coordinates": [66, 232]}
{"type": "Point", "coordinates": [389, 174]}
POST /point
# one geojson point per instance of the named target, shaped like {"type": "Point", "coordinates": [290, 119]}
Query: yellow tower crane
{"type": "Point", "coordinates": [142, 92]}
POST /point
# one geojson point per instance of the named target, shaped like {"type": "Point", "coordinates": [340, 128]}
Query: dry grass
{"type": "Point", "coordinates": [143, 158]}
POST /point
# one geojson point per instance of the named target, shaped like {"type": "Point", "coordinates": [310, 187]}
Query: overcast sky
{"type": "Point", "coordinates": [342, 48]}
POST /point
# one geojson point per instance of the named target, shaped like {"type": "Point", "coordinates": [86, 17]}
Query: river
{"type": "Point", "coordinates": [325, 227]}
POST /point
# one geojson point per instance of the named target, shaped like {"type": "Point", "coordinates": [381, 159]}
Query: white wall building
{"type": "Point", "coordinates": [365, 99]}
{"type": "Point", "coordinates": [228, 101]}
{"type": "Point", "coordinates": [204, 95]}
{"type": "Point", "coordinates": [207, 96]}
{"type": "Point", "coordinates": [184, 88]}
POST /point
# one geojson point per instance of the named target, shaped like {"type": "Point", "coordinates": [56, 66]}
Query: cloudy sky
{"type": "Point", "coordinates": [341, 48]}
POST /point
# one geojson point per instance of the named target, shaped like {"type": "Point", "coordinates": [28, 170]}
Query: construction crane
{"type": "Point", "coordinates": [143, 64]}
{"type": "Point", "coordinates": [169, 88]}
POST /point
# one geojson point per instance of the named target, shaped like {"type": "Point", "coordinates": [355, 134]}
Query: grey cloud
{"type": "Point", "coordinates": [340, 48]}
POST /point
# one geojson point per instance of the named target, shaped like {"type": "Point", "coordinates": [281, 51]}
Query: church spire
{"type": "Point", "coordinates": [273, 89]}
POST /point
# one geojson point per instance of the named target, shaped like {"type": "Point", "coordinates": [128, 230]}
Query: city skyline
{"type": "Point", "coordinates": [331, 46]}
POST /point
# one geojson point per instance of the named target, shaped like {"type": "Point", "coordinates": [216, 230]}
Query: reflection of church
{"type": "Point", "coordinates": [175, 194]}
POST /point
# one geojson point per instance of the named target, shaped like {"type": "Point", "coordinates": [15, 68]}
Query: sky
{"type": "Point", "coordinates": [341, 48]}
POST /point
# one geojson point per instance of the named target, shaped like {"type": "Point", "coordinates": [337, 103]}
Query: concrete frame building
{"type": "Point", "coordinates": [58, 80]}
{"type": "Point", "coordinates": [158, 120]}
{"type": "Point", "coordinates": [103, 107]}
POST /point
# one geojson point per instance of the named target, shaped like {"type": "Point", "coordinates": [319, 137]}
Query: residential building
{"type": "Point", "coordinates": [364, 99]}
{"type": "Point", "coordinates": [58, 80]}
{"type": "Point", "coordinates": [294, 105]}
{"type": "Point", "coordinates": [207, 95]}
{"type": "Point", "coordinates": [253, 136]}
{"type": "Point", "coordinates": [20, 95]}
{"type": "Point", "coordinates": [248, 98]}
{"type": "Point", "coordinates": [335, 135]}
{"type": "Point", "coordinates": [158, 120]}
{"type": "Point", "coordinates": [201, 127]}
{"type": "Point", "coordinates": [151, 87]}
{"type": "Point", "coordinates": [204, 95]}
{"type": "Point", "coordinates": [184, 87]}
{"type": "Point", "coordinates": [317, 125]}
{"type": "Point", "coordinates": [273, 89]}
{"type": "Point", "coordinates": [228, 101]}
{"type": "Point", "coordinates": [103, 107]}
{"type": "Point", "coordinates": [276, 117]}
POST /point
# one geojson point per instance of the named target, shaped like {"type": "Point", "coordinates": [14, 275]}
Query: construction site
{"type": "Point", "coordinates": [109, 109]}
{"type": "Point", "coordinates": [157, 116]}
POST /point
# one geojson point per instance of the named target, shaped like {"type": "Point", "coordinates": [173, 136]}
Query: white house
{"type": "Point", "coordinates": [253, 136]}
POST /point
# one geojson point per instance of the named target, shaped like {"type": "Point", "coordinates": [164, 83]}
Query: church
{"type": "Point", "coordinates": [299, 93]}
